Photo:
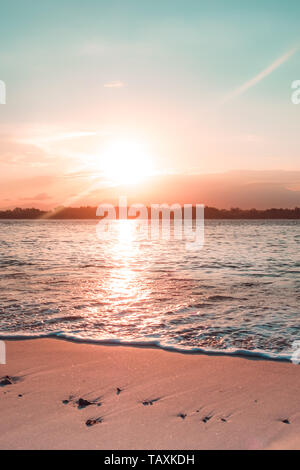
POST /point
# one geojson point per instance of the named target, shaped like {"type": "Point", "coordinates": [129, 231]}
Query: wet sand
{"type": "Point", "coordinates": [61, 395]}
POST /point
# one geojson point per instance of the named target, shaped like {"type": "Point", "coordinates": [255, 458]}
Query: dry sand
{"type": "Point", "coordinates": [165, 400]}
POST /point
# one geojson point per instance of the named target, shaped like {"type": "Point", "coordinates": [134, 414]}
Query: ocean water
{"type": "Point", "coordinates": [239, 294]}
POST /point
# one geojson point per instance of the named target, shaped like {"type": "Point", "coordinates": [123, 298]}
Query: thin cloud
{"type": "Point", "coordinates": [258, 78]}
{"type": "Point", "coordinates": [38, 197]}
{"type": "Point", "coordinates": [116, 84]}
{"type": "Point", "coordinates": [59, 137]}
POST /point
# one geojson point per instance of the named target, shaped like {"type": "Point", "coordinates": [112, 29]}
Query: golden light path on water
{"type": "Point", "coordinates": [123, 281]}
{"type": "Point", "coordinates": [126, 285]}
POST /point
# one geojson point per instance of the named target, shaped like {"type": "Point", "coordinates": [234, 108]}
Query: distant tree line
{"type": "Point", "coordinates": [210, 213]}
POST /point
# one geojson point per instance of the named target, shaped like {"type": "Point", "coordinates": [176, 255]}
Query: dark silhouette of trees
{"type": "Point", "coordinates": [210, 213]}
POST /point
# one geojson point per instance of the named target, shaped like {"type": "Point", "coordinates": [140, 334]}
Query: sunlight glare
{"type": "Point", "coordinates": [126, 162]}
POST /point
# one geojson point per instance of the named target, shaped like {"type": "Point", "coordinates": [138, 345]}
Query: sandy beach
{"type": "Point", "coordinates": [63, 395]}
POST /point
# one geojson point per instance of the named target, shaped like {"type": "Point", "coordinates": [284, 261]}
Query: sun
{"type": "Point", "coordinates": [126, 162]}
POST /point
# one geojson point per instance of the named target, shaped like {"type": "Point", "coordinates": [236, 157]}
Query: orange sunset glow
{"type": "Point", "coordinates": [149, 228]}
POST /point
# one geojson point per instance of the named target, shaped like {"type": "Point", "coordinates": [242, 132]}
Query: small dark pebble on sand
{"type": "Point", "coordinates": [150, 402]}
{"type": "Point", "coordinates": [119, 390]}
{"type": "Point", "coordinates": [6, 381]}
{"type": "Point", "coordinates": [286, 421]}
{"type": "Point", "coordinates": [93, 421]}
{"type": "Point", "coordinates": [182, 415]}
{"type": "Point", "coordinates": [82, 403]}
{"type": "Point", "coordinates": [206, 419]}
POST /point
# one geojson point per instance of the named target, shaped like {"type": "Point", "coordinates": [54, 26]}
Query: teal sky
{"type": "Point", "coordinates": [155, 71]}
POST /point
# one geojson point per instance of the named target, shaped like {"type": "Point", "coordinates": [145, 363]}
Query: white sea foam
{"type": "Point", "coordinates": [255, 353]}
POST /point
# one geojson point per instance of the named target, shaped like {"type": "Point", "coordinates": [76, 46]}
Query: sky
{"type": "Point", "coordinates": [102, 93]}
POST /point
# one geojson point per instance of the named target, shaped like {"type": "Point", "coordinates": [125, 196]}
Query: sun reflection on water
{"type": "Point", "coordinates": [125, 285]}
